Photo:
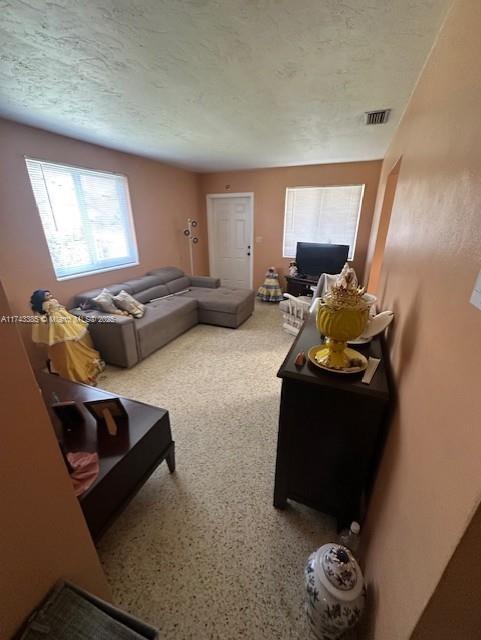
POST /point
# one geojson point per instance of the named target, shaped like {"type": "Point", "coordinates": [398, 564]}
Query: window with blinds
{"type": "Point", "coordinates": [329, 215]}
{"type": "Point", "coordinates": [86, 218]}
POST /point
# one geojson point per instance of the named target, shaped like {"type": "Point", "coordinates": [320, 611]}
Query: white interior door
{"type": "Point", "coordinates": [230, 238]}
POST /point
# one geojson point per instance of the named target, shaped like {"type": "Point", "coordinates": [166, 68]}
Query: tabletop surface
{"type": "Point", "coordinates": [90, 437]}
{"type": "Point", "coordinates": [309, 373]}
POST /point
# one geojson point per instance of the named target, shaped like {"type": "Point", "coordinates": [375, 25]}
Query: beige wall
{"type": "Point", "coordinates": [269, 188]}
{"type": "Point", "coordinates": [43, 536]}
{"type": "Point", "coordinates": [454, 611]}
{"type": "Point", "coordinates": [429, 482]}
{"type": "Point", "coordinates": [162, 197]}
{"type": "Point", "coordinates": [377, 259]}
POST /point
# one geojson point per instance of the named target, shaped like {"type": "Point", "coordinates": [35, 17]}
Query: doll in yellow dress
{"type": "Point", "coordinates": [70, 347]}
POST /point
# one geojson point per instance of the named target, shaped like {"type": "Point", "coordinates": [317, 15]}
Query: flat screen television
{"type": "Point", "coordinates": [313, 259]}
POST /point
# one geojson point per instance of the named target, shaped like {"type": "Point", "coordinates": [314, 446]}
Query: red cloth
{"type": "Point", "coordinates": [85, 470]}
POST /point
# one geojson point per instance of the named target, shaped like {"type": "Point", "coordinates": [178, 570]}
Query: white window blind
{"type": "Point", "coordinates": [86, 218]}
{"type": "Point", "coordinates": [329, 215]}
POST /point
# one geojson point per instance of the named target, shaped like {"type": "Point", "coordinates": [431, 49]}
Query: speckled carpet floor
{"type": "Point", "coordinates": [203, 553]}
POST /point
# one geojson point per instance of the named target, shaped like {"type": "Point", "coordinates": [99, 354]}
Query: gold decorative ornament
{"type": "Point", "coordinates": [342, 316]}
{"type": "Point", "coordinates": [357, 361]}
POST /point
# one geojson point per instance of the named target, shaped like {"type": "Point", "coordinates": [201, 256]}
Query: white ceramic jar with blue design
{"type": "Point", "coordinates": [335, 589]}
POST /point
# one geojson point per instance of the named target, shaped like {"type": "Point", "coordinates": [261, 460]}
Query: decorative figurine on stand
{"type": "Point", "coordinates": [270, 291]}
{"type": "Point", "coordinates": [292, 271]}
{"type": "Point", "coordinates": [70, 347]}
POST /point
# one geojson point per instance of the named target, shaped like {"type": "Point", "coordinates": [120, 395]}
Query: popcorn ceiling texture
{"type": "Point", "coordinates": [216, 84]}
{"type": "Point", "coordinates": [203, 553]}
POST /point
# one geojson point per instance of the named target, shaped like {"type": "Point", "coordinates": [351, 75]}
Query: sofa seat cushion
{"type": "Point", "coordinates": [164, 320]}
{"type": "Point", "coordinates": [222, 299]}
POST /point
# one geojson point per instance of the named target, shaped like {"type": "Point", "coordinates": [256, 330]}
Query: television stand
{"type": "Point", "coordinates": [300, 285]}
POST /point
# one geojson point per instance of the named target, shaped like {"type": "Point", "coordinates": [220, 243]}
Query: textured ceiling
{"type": "Point", "coordinates": [216, 84]}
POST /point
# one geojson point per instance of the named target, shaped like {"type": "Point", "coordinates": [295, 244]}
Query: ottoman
{"type": "Point", "coordinates": [223, 306]}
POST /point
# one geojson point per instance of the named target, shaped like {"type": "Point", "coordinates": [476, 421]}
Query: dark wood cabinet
{"type": "Point", "coordinates": [126, 460]}
{"type": "Point", "coordinates": [299, 286]}
{"type": "Point", "coordinates": [332, 429]}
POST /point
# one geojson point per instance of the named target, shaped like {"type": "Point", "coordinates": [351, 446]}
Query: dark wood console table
{"type": "Point", "coordinates": [301, 286]}
{"type": "Point", "coordinates": [332, 430]}
{"type": "Point", "coordinates": [126, 460]}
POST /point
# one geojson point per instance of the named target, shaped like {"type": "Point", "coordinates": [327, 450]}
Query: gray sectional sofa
{"type": "Point", "coordinates": [174, 303]}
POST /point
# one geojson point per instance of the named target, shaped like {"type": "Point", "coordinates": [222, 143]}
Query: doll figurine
{"type": "Point", "coordinates": [70, 347]}
{"type": "Point", "coordinates": [292, 271]}
{"type": "Point", "coordinates": [270, 291]}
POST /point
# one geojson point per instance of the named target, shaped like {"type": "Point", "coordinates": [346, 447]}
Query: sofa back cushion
{"type": "Point", "coordinates": [179, 284]}
{"type": "Point", "coordinates": [155, 284]}
{"type": "Point", "coordinates": [143, 289]}
{"type": "Point", "coordinates": [153, 292]}
{"type": "Point", "coordinates": [166, 274]}
{"type": "Point", "coordinates": [142, 283]}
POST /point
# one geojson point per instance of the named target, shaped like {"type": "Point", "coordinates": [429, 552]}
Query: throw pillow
{"type": "Point", "coordinates": [105, 302]}
{"type": "Point", "coordinates": [126, 302]}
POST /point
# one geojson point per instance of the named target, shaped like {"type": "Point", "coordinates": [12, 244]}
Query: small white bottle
{"type": "Point", "coordinates": [350, 537]}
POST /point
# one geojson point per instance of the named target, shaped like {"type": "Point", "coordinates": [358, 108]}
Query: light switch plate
{"type": "Point", "coordinates": [476, 295]}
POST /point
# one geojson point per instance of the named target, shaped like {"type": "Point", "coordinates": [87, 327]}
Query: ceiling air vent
{"type": "Point", "coordinates": [377, 117]}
